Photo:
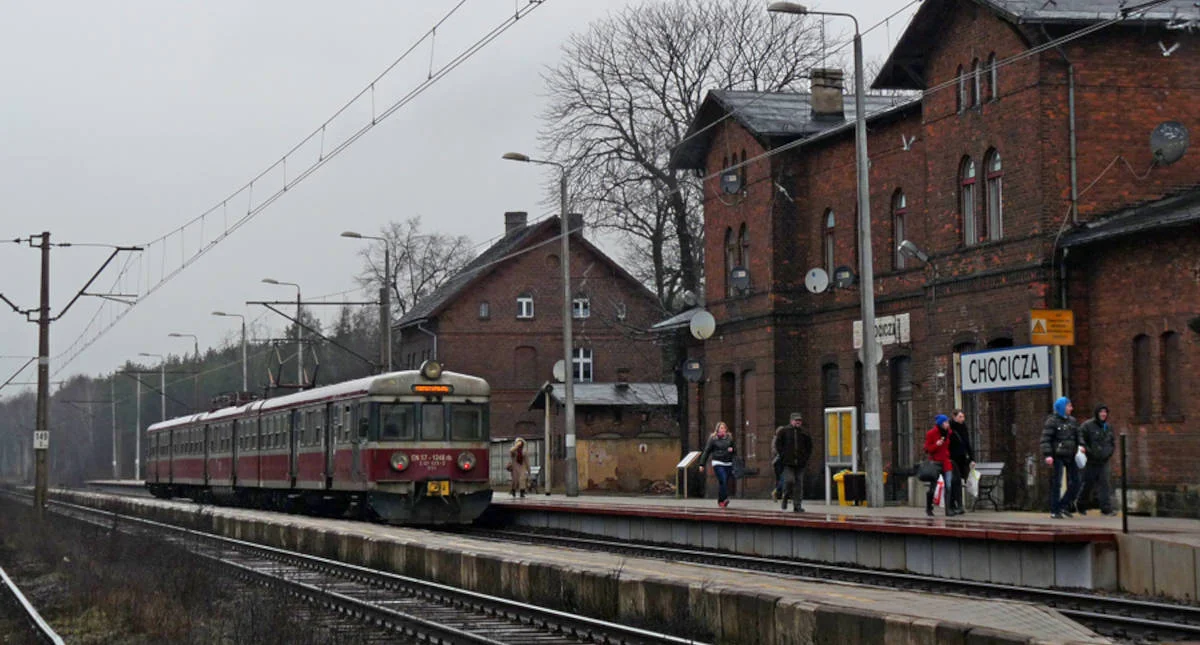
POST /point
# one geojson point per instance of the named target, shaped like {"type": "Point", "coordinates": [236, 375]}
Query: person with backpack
{"type": "Point", "coordinates": [721, 448]}
{"type": "Point", "coordinates": [1060, 442]}
{"type": "Point", "coordinates": [1098, 444]}
{"type": "Point", "coordinates": [793, 447]}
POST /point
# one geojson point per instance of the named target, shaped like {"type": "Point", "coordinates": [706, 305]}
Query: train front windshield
{"type": "Point", "coordinates": [430, 422]}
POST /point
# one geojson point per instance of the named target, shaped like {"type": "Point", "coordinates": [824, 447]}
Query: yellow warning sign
{"type": "Point", "coordinates": [1052, 327]}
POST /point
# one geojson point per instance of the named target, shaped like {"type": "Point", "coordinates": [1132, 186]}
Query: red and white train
{"type": "Point", "coordinates": [408, 447]}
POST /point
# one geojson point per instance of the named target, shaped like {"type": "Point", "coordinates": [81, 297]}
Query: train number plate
{"type": "Point", "coordinates": [438, 488]}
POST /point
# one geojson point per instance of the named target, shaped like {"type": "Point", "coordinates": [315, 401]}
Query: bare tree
{"type": "Point", "coordinates": [624, 96]}
{"type": "Point", "coordinates": [421, 262]}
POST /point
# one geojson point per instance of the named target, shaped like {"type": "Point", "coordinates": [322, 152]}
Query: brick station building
{"type": "Point", "coordinates": [1031, 184]}
{"type": "Point", "coordinates": [500, 318]}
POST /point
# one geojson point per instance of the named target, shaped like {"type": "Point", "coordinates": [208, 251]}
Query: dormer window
{"type": "Point", "coordinates": [524, 306]}
{"type": "Point", "coordinates": [581, 308]}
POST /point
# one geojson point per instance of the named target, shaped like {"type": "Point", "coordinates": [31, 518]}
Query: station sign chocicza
{"type": "Point", "coordinates": [1010, 368]}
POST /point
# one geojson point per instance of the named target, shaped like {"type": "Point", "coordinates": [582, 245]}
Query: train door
{"type": "Point", "coordinates": [153, 454]}
{"type": "Point", "coordinates": [208, 430]}
{"type": "Point", "coordinates": [358, 439]}
{"type": "Point", "coordinates": [234, 452]}
{"type": "Point", "coordinates": [293, 425]}
{"type": "Point", "coordinates": [171, 439]}
{"type": "Point", "coordinates": [329, 439]}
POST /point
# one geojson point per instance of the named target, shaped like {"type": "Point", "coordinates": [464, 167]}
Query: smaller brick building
{"type": "Point", "coordinates": [500, 318]}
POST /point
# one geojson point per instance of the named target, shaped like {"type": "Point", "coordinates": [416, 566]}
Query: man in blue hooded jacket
{"type": "Point", "coordinates": [1060, 442]}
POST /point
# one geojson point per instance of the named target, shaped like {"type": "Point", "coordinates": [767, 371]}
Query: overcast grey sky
{"type": "Point", "coordinates": [122, 120]}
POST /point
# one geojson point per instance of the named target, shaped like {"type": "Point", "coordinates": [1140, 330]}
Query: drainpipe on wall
{"type": "Point", "coordinates": [420, 328]}
{"type": "Point", "coordinates": [1074, 158]}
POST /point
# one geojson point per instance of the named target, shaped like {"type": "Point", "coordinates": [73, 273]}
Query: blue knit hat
{"type": "Point", "coordinates": [940, 419]}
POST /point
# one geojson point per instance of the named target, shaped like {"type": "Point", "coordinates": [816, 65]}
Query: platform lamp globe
{"type": "Point", "coordinates": [871, 349]}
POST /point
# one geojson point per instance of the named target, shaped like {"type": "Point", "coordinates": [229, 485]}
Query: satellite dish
{"type": "Point", "coordinates": [1168, 142]}
{"type": "Point", "coordinates": [560, 372]}
{"type": "Point", "coordinates": [703, 325]}
{"type": "Point", "coordinates": [693, 370]}
{"type": "Point", "coordinates": [739, 279]}
{"type": "Point", "coordinates": [843, 277]}
{"type": "Point", "coordinates": [817, 281]}
{"type": "Point", "coordinates": [731, 182]}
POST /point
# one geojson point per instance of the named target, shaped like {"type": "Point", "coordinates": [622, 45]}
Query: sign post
{"type": "Point", "coordinates": [841, 444]}
{"type": "Point", "coordinates": [1054, 327]}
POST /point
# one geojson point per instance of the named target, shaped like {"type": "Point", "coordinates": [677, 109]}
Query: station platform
{"type": "Point", "coordinates": [735, 606]}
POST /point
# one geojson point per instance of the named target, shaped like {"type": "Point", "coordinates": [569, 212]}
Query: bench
{"type": "Point", "coordinates": [990, 476]}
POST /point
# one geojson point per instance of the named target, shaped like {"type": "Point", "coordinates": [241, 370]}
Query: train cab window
{"type": "Point", "coordinates": [466, 423]}
{"type": "Point", "coordinates": [347, 423]}
{"type": "Point", "coordinates": [364, 421]}
{"type": "Point", "coordinates": [396, 422]}
{"type": "Point", "coordinates": [433, 422]}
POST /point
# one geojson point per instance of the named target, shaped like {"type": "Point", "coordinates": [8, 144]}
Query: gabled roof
{"type": "Point", "coordinates": [433, 304]}
{"type": "Point", "coordinates": [609, 394]}
{"type": "Point", "coordinates": [772, 117]}
{"type": "Point", "coordinates": [905, 66]}
{"type": "Point", "coordinates": [681, 319]}
{"type": "Point", "coordinates": [512, 243]}
{"type": "Point", "coordinates": [1172, 212]}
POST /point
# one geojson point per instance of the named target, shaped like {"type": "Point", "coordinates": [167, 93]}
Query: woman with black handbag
{"type": "Point", "coordinates": [937, 449]}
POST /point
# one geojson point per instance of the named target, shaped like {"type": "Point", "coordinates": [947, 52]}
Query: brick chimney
{"type": "Point", "coordinates": [515, 221]}
{"type": "Point", "coordinates": [827, 102]}
{"type": "Point", "coordinates": [575, 223]}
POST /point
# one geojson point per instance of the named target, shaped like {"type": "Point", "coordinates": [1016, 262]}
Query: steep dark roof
{"type": "Point", "coordinates": [905, 66]}
{"type": "Point", "coordinates": [432, 304]}
{"type": "Point", "coordinates": [773, 117]}
{"type": "Point", "coordinates": [609, 394]}
{"type": "Point", "coordinates": [1173, 212]}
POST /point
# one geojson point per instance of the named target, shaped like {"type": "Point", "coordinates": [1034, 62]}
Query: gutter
{"type": "Point", "coordinates": [420, 328]}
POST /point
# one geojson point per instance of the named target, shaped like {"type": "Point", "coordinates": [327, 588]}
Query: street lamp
{"type": "Point", "coordinates": [385, 299]}
{"type": "Point", "coordinates": [299, 331]}
{"type": "Point", "coordinates": [196, 375]}
{"type": "Point", "coordinates": [572, 478]}
{"type": "Point", "coordinates": [195, 341]}
{"type": "Point", "coordinates": [222, 313]}
{"type": "Point", "coordinates": [162, 390]}
{"type": "Point", "coordinates": [870, 353]}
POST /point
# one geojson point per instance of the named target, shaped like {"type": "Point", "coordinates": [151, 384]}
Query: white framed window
{"type": "Point", "coordinates": [581, 308]}
{"type": "Point", "coordinates": [622, 311]}
{"type": "Point", "coordinates": [524, 306]}
{"type": "Point", "coordinates": [485, 310]}
{"type": "Point", "coordinates": [581, 365]}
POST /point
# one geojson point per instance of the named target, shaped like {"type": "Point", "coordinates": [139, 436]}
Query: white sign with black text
{"type": "Point", "coordinates": [889, 330]}
{"type": "Point", "coordinates": [41, 439]}
{"type": "Point", "coordinates": [1011, 368]}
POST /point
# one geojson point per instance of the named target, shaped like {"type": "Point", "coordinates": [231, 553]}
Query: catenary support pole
{"type": "Point", "coordinates": [42, 427]}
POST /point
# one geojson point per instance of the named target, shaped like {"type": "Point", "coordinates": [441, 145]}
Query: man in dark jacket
{"type": "Point", "coordinates": [793, 447]}
{"type": "Point", "coordinates": [1097, 439]}
{"type": "Point", "coordinates": [1060, 441]}
{"type": "Point", "coordinates": [963, 458]}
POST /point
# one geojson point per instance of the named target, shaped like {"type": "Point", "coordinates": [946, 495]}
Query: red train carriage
{"type": "Point", "coordinates": [409, 447]}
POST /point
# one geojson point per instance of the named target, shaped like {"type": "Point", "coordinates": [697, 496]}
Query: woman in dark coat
{"type": "Point", "coordinates": [720, 447]}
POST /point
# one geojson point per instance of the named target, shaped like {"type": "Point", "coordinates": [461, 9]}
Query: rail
{"type": "Point", "coordinates": [37, 624]}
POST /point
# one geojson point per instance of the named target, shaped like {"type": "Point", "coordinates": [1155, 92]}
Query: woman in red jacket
{"type": "Point", "coordinates": [937, 447]}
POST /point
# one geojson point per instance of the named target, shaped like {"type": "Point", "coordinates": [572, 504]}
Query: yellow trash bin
{"type": "Point", "coordinates": [840, 479]}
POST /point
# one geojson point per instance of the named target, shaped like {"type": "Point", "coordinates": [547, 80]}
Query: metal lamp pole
{"type": "Point", "coordinates": [195, 377]}
{"type": "Point", "coordinates": [870, 353]}
{"type": "Point", "coordinates": [162, 389]}
{"type": "Point", "coordinates": [222, 313]}
{"type": "Point", "coordinates": [385, 300]}
{"type": "Point", "coordinates": [299, 331]}
{"type": "Point", "coordinates": [572, 478]}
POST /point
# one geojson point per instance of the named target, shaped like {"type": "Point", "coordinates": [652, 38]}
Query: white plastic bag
{"type": "Point", "coordinates": [938, 498]}
{"type": "Point", "coordinates": [973, 483]}
{"type": "Point", "coordinates": [1080, 458]}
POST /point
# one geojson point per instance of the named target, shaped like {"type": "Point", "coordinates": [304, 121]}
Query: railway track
{"type": "Point", "coordinates": [1121, 617]}
{"type": "Point", "coordinates": [406, 609]}
{"type": "Point", "coordinates": [39, 630]}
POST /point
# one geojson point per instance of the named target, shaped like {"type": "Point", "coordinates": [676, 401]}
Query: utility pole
{"type": "Point", "coordinates": [41, 434]}
{"type": "Point", "coordinates": [385, 310]}
{"type": "Point", "coordinates": [112, 394]}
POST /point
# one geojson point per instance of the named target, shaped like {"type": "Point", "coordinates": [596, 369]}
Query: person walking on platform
{"type": "Point", "coordinates": [1060, 442]}
{"type": "Point", "coordinates": [1098, 443]}
{"type": "Point", "coordinates": [720, 448]}
{"type": "Point", "coordinates": [937, 447]}
{"type": "Point", "coordinates": [793, 447]}
{"type": "Point", "coordinates": [962, 457]}
{"type": "Point", "coordinates": [519, 466]}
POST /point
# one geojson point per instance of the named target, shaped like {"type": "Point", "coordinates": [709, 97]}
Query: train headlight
{"type": "Point", "coordinates": [466, 461]}
{"type": "Point", "coordinates": [399, 461]}
{"type": "Point", "coordinates": [431, 370]}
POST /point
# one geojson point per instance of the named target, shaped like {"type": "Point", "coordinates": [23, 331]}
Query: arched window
{"type": "Point", "coordinates": [831, 395]}
{"type": "Point", "coordinates": [899, 212]}
{"type": "Point", "coordinates": [1141, 378]}
{"type": "Point", "coordinates": [962, 89]}
{"type": "Point", "coordinates": [828, 239]}
{"type": "Point", "coordinates": [1172, 392]}
{"type": "Point", "coordinates": [903, 447]}
{"type": "Point", "coordinates": [993, 78]}
{"type": "Point", "coordinates": [966, 202]}
{"type": "Point", "coordinates": [995, 196]}
{"type": "Point", "coordinates": [730, 259]}
{"type": "Point", "coordinates": [743, 246]}
{"type": "Point", "coordinates": [976, 83]}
